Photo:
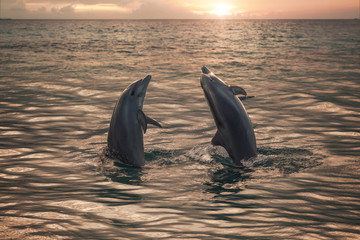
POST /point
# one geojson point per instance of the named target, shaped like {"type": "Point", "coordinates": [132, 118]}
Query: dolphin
{"type": "Point", "coordinates": [128, 123]}
{"type": "Point", "coordinates": [234, 129]}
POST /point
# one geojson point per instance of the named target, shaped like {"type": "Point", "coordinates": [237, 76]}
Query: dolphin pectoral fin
{"type": "Point", "coordinates": [245, 97]}
{"type": "Point", "coordinates": [142, 120]}
{"type": "Point", "coordinates": [238, 90]}
{"type": "Point", "coordinates": [153, 122]}
{"type": "Point", "coordinates": [217, 140]}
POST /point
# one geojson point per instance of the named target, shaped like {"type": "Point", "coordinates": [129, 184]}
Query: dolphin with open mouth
{"type": "Point", "coordinates": [129, 123]}
{"type": "Point", "coordinates": [234, 130]}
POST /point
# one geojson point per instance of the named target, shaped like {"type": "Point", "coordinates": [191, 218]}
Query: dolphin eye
{"type": "Point", "coordinates": [132, 93]}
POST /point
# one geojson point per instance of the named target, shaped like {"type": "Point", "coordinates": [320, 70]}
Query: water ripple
{"type": "Point", "coordinates": [59, 81]}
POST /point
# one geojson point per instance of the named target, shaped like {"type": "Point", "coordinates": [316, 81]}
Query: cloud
{"type": "Point", "coordinates": [67, 10]}
{"type": "Point", "coordinates": [106, 9]}
{"type": "Point", "coordinates": [161, 9]}
{"type": "Point", "coordinates": [152, 9]}
{"type": "Point", "coordinates": [74, 9]}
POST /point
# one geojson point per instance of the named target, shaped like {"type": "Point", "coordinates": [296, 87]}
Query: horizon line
{"type": "Point", "coordinates": [113, 19]}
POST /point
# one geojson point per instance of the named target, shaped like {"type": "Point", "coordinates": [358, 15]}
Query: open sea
{"type": "Point", "coordinates": [60, 80]}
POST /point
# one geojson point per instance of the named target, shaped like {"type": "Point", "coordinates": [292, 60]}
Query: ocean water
{"type": "Point", "coordinates": [59, 82]}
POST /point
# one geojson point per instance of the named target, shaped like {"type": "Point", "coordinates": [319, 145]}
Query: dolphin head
{"type": "Point", "coordinates": [136, 91]}
{"type": "Point", "coordinates": [210, 81]}
{"type": "Point", "coordinates": [214, 88]}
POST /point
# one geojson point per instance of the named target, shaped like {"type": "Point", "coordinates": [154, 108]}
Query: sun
{"type": "Point", "coordinates": [222, 9]}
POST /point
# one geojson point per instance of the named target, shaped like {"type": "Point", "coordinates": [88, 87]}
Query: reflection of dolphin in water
{"type": "Point", "coordinates": [235, 132]}
{"type": "Point", "coordinates": [128, 122]}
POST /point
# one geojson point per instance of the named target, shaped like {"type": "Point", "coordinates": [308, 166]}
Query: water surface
{"type": "Point", "coordinates": [59, 81]}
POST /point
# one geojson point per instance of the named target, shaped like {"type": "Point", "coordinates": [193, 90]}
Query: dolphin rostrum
{"type": "Point", "coordinates": [128, 123]}
{"type": "Point", "coordinates": [234, 129]}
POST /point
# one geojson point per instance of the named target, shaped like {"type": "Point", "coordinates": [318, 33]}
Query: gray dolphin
{"type": "Point", "coordinates": [234, 129]}
{"type": "Point", "coordinates": [128, 123]}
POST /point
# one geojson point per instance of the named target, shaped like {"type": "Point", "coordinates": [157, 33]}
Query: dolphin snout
{"type": "Point", "coordinates": [147, 79]}
{"type": "Point", "coordinates": [143, 84]}
{"type": "Point", "coordinates": [205, 70]}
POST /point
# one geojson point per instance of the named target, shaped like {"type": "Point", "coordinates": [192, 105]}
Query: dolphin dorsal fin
{"type": "Point", "coordinates": [238, 90]}
{"type": "Point", "coordinates": [144, 120]}
{"type": "Point", "coordinates": [217, 140]}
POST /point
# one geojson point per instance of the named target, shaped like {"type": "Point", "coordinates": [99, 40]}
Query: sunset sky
{"type": "Point", "coordinates": [175, 9]}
